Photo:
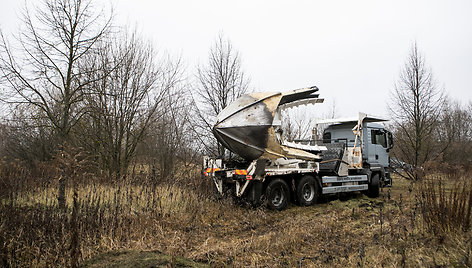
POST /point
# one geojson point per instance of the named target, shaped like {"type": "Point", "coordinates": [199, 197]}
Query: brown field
{"type": "Point", "coordinates": [129, 224]}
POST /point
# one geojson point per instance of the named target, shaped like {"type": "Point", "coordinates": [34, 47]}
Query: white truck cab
{"type": "Point", "coordinates": [375, 143]}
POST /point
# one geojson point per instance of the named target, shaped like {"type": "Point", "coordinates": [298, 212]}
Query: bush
{"type": "Point", "coordinates": [446, 206]}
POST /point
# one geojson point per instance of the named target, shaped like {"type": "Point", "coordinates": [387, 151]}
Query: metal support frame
{"type": "Point", "coordinates": [219, 184]}
{"type": "Point", "coordinates": [240, 190]}
{"type": "Point", "coordinates": [358, 130]}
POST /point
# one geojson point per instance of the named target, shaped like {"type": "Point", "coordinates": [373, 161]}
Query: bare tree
{"type": "Point", "coordinates": [333, 110]}
{"type": "Point", "coordinates": [25, 138]}
{"type": "Point", "coordinates": [126, 96]}
{"type": "Point", "coordinates": [298, 124]}
{"type": "Point", "coordinates": [43, 71]}
{"type": "Point", "coordinates": [415, 108]}
{"type": "Point", "coordinates": [455, 134]}
{"type": "Point", "coordinates": [220, 82]}
{"type": "Point", "coordinates": [170, 143]}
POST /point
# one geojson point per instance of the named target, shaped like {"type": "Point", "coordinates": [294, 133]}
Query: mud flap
{"type": "Point", "coordinates": [386, 180]}
{"type": "Point", "coordinates": [254, 193]}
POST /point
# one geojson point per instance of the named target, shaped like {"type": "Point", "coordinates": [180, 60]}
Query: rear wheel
{"type": "Point", "coordinates": [307, 191]}
{"type": "Point", "coordinates": [374, 186]}
{"type": "Point", "coordinates": [277, 194]}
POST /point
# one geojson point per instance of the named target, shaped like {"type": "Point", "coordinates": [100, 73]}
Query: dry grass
{"type": "Point", "coordinates": [445, 206]}
{"type": "Point", "coordinates": [183, 220]}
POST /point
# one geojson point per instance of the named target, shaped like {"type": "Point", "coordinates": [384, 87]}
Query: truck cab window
{"type": "Point", "coordinates": [378, 137]}
{"type": "Point", "coordinates": [327, 137]}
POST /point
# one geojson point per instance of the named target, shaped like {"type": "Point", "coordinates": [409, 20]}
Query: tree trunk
{"type": "Point", "coordinates": [61, 196]}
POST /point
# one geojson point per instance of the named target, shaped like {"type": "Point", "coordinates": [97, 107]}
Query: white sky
{"type": "Point", "coordinates": [352, 50]}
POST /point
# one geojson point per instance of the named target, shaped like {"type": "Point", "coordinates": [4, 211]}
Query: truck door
{"type": "Point", "coordinates": [379, 147]}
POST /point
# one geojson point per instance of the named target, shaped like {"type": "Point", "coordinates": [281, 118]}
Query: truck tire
{"type": "Point", "coordinates": [307, 191]}
{"type": "Point", "coordinates": [374, 186]}
{"type": "Point", "coordinates": [277, 194]}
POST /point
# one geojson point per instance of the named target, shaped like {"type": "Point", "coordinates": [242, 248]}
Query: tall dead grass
{"type": "Point", "coordinates": [99, 216]}
{"type": "Point", "coordinates": [446, 205]}
{"type": "Point", "coordinates": [180, 218]}
{"type": "Point", "coordinates": [36, 232]}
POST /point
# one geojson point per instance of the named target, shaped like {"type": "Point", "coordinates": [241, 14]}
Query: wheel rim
{"type": "Point", "coordinates": [277, 197]}
{"type": "Point", "coordinates": [308, 192]}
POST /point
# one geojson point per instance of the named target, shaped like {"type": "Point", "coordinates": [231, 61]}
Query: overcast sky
{"type": "Point", "coordinates": [352, 50]}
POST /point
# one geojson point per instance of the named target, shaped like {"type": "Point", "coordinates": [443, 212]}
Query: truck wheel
{"type": "Point", "coordinates": [374, 186]}
{"type": "Point", "coordinates": [307, 191]}
{"type": "Point", "coordinates": [277, 194]}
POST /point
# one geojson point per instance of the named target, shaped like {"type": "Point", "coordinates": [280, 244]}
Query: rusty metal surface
{"type": "Point", "coordinates": [246, 126]}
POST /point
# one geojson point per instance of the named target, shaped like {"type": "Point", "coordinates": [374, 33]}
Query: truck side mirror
{"type": "Point", "coordinates": [390, 140]}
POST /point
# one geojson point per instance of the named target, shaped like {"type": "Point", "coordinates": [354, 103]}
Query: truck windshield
{"type": "Point", "coordinates": [378, 137]}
